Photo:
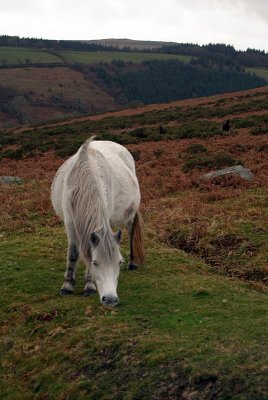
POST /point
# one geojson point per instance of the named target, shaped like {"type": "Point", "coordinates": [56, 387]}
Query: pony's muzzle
{"type": "Point", "coordinates": [110, 300]}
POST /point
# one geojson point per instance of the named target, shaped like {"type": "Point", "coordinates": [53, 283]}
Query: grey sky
{"type": "Point", "coordinates": [242, 23]}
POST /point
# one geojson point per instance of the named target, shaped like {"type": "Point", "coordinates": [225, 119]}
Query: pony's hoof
{"type": "Point", "coordinates": [66, 292]}
{"type": "Point", "coordinates": [132, 267]}
{"type": "Point", "coordinates": [89, 292]}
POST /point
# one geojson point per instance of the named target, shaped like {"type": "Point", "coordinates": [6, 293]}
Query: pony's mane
{"type": "Point", "coordinates": [107, 247]}
{"type": "Point", "coordinates": [87, 206]}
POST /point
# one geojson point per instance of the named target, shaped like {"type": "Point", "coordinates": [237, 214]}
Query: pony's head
{"type": "Point", "coordinates": [106, 260]}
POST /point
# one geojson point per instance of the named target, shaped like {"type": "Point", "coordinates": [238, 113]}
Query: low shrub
{"type": "Point", "coordinates": [258, 130]}
{"type": "Point", "coordinates": [263, 148]}
{"type": "Point", "coordinates": [196, 149]}
{"type": "Point", "coordinates": [155, 137]}
{"type": "Point", "coordinates": [238, 147]}
{"type": "Point", "coordinates": [138, 133]}
{"type": "Point", "coordinates": [198, 129]}
{"type": "Point", "coordinates": [243, 123]}
{"type": "Point", "coordinates": [13, 154]}
{"type": "Point", "coordinates": [219, 160]}
{"type": "Point", "coordinates": [158, 153]}
{"type": "Point", "coordinates": [136, 154]}
{"type": "Point", "coordinates": [107, 136]}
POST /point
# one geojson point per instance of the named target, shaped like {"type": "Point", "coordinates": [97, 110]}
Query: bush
{"type": "Point", "coordinates": [263, 148]}
{"type": "Point", "coordinates": [240, 147]}
{"type": "Point", "coordinates": [138, 133]}
{"type": "Point", "coordinates": [136, 154]}
{"type": "Point", "coordinates": [13, 154]}
{"type": "Point", "coordinates": [159, 152]}
{"type": "Point", "coordinates": [107, 136]}
{"type": "Point", "coordinates": [219, 160]}
{"type": "Point", "coordinates": [196, 149]}
{"type": "Point", "coordinates": [259, 130]}
{"type": "Point", "coordinates": [243, 123]}
{"type": "Point", "coordinates": [155, 137]}
{"type": "Point", "coordinates": [200, 129]}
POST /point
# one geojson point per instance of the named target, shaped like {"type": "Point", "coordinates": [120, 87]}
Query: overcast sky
{"type": "Point", "coordinates": [242, 23]}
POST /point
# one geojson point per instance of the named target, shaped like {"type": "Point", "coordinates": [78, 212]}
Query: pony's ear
{"type": "Point", "coordinates": [94, 239]}
{"type": "Point", "coordinates": [118, 236]}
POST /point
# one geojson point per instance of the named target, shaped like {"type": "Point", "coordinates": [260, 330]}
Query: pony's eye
{"type": "Point", "coordinates": [94, 262]}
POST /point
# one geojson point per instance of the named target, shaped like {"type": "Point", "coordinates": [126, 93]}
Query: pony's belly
{"type": "Point", "coordinates": [124, 212]}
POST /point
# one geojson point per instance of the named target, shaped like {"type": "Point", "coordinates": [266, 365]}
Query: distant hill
{"type": "Point", "coordinates": [41, 80]}
{"type": "Point", "coordinates": [131, 44]}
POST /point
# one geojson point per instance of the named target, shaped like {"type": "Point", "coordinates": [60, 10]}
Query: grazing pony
{"type": "Point", "coordinates": [94, 191]}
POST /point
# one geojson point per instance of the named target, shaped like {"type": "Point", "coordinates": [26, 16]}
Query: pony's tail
{"type": "Point", "coordinates": [137, 240]}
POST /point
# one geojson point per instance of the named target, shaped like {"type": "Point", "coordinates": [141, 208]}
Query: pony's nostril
{"type": "Point", "coordinates": [109, 300]}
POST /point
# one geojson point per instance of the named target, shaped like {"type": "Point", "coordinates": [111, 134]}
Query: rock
{"type": "Point", "coordinates": [10, 179]}
{"type": "Point", "coordinates": [238, 170]}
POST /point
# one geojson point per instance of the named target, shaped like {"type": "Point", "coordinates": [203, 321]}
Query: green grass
{"type": "Point", "coordinates": [20, 55]}
{"type": "Point", "coordinates": [177, 329]}
{"type": "Point", "coordinates": [261, 72]}
{"type": "Point", "coordinates": [109, 56]}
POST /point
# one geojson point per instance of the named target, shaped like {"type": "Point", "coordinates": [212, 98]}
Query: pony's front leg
{"type": "Point", "coordinates": [69, 277]}
{"type": "Point", "coordinates": [72, 258]}
{"type": "Point", "coordinates": [89, 287]}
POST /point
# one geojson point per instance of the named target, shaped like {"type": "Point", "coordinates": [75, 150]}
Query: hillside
{"type": "Point", "coordinates": [38, 94]}
{"type": "Point", "coordinates": [192, 323]}
{"type": "Point", "coordinates": [44, 79]}
{"type": "Point", "coordinates": [181, 119]}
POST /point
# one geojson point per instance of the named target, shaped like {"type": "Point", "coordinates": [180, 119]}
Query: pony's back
{"type": "Point", "coordinates": [114, 169]}
{"type": "Point", "coordinates": [110, 149]}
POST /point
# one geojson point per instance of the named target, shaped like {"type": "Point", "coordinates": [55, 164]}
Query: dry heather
{"type": "Point", "coordinates": [222, 221]}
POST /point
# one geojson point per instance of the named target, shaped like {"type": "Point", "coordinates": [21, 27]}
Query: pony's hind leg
{"type": "Point", "coordinates": [136, 234]}
{"type": "Point", "coordinates": [131, 265]}
{"type": "Point", "coordinates": [72, 258]}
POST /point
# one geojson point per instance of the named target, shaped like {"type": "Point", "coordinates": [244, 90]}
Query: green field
{"type": "Point", "coordinates": [20, 55]}
{"type": "Point", "coordinates": [178, 329]}
{"type": "Point", "coordinates": [108, 56]}
{"type": "Point", "coordinates": [261, 72]}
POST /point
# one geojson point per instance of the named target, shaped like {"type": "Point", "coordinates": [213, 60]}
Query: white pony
{"type": "Point", "coordinates": [94, 191]}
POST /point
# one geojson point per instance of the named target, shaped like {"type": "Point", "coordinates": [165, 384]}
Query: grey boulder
{"type": "Point", "coordinates": [238, 170]}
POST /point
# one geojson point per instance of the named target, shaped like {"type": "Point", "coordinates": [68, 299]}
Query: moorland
{"type": "Point", "coordinates": [192, 322]}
